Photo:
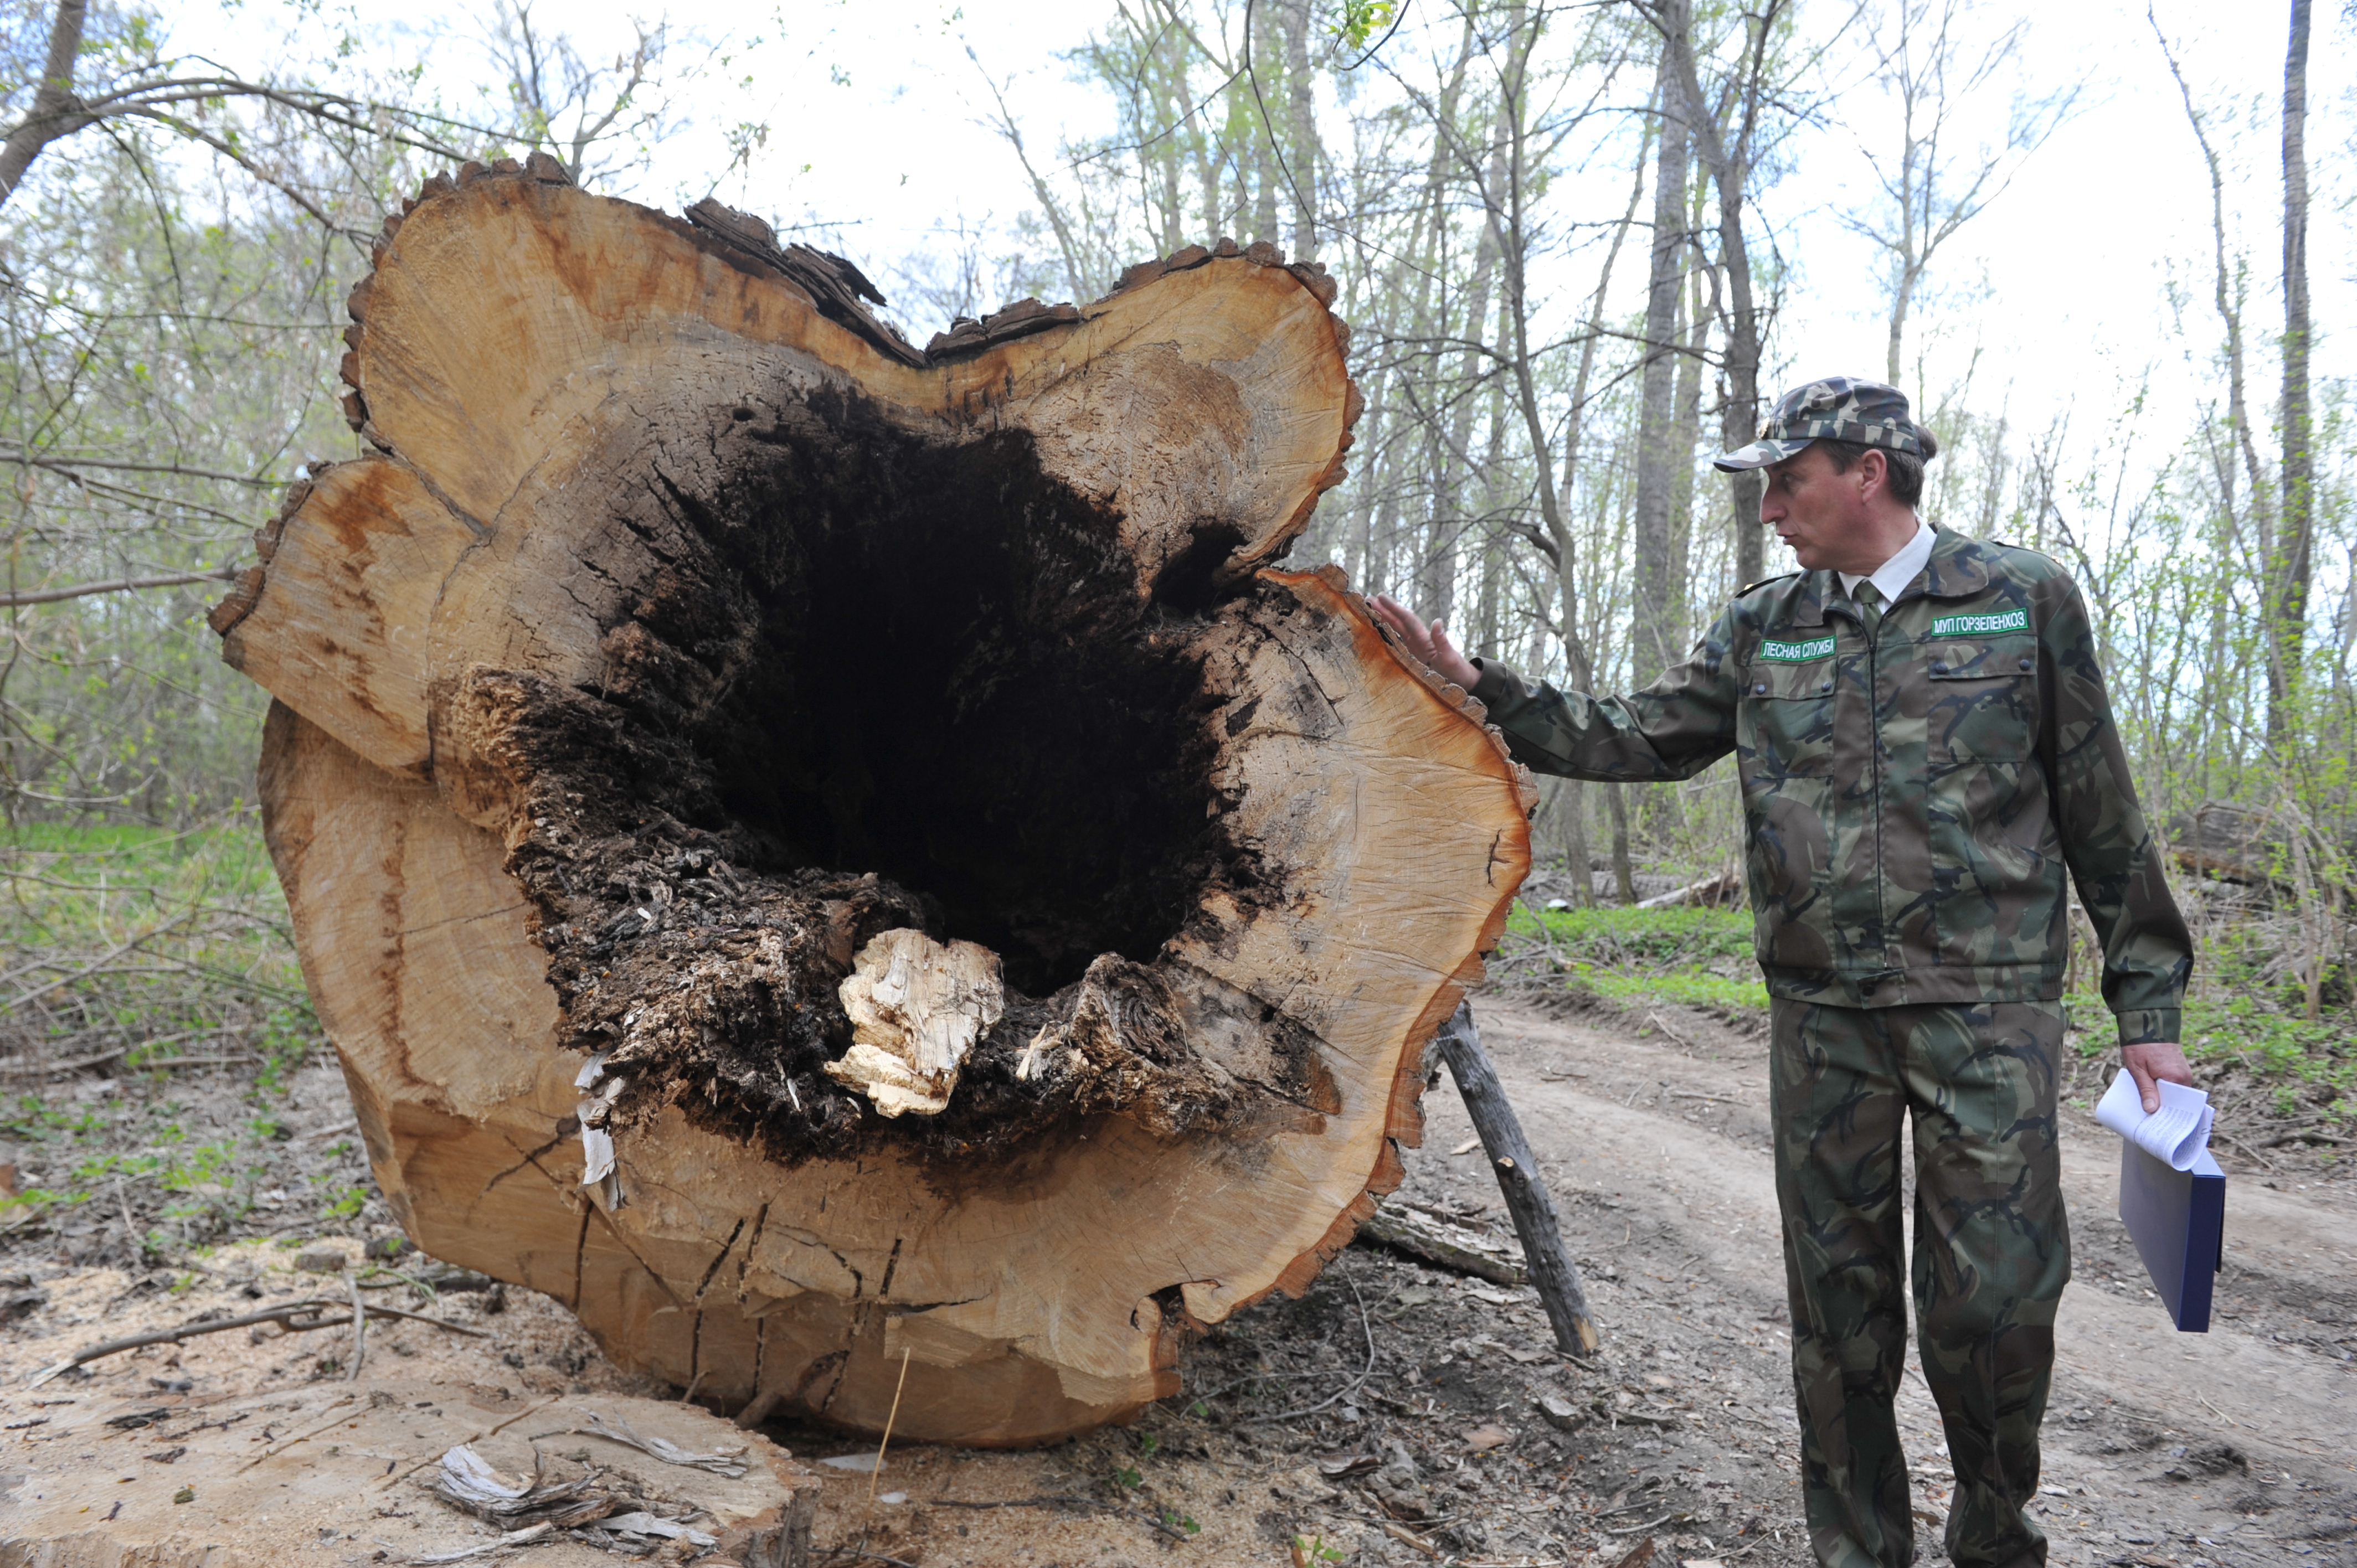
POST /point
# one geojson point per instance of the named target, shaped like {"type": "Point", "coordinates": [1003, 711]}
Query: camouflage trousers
{"type": "Point", "coordinates": [1992, 1255]}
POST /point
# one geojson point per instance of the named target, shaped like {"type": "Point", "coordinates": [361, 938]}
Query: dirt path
{"type": "Point", "coordinates": [1388, 1417]}
{"type": "Point", "coordinates": [2236, 1446]}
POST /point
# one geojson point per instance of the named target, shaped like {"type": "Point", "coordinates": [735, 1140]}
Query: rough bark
{"type": "Point", "coordinates": [1301, 128]}
{"type": "Point", "coordinates": [811, 849]}
{"type": "Point", "coordinates": [2298, 461]}
{"type": "Point", "coordinates": [1654, 641]}
{"type": "Point", "coordinates": [1728, 154]}
{"type": "Point", "coordinates": [55, 113]}
{"type": "Point", "coordinates": [1517, 1169]}
{"type": "Point", "coordinates": [1264, 46]}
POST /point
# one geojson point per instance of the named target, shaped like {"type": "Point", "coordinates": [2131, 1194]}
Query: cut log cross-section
{"type": "Point", "coordinates": [817, 853]}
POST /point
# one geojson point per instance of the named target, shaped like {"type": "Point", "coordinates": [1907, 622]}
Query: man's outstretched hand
{"type": "Point", "coordinates": [1430, 644]}
{"type": "Point", "coordinates": [2152, 1064]}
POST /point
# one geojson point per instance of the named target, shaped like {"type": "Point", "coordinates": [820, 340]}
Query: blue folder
{"type": "Point", "coordinates": [2178, 1220]}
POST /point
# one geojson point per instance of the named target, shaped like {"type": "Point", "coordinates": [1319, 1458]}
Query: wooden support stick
{"type": "Point", "coordinates": [1549, 1265]}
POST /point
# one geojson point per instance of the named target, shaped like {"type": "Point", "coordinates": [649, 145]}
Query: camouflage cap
{"type": "Point", "coordinates": [1838, 408]}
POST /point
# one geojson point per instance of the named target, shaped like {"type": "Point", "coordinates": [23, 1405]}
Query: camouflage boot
{"type": "Point", "coordinates": [1992, 1255]}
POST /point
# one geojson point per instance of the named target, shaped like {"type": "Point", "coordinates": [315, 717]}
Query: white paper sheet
{"type": "Point", "coordinates": [2177, 1134]}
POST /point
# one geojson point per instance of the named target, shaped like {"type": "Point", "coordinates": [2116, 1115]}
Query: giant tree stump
{"type": "Point", "coordinates": [819, 853]}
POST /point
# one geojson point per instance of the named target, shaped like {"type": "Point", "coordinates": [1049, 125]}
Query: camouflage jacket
{"type": "Point", "coordinates": [1910, 799]}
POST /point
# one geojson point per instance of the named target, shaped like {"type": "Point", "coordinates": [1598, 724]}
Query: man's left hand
{"type": "Point", "coordinates": [2153, 1063]}
{"type": "Point", "coordinates": [1430, 644]}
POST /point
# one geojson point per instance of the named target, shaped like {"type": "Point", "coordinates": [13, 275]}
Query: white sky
{"type": "Point", "coordinates": [2061, 286]}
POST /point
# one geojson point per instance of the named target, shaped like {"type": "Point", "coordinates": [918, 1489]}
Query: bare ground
{"type": "Point", "coordinates": [1388, 1416]}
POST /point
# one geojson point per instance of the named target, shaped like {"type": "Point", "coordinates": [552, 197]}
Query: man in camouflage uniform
{"type": "Point", "coordinates": [1925, 747]}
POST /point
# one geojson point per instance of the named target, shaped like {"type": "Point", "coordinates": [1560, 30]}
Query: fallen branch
{"type": "Point", "coordinates": [2305, 1135]}
{"type": "Point", "coordinates": [1518, 1178]}
{"type": "Point", "coordinates": [1404, 1232]}
{"type": "Point", "coordinates": [1165, 1526]}
{"type": "Point", "coordinates": [289, 1315]}
{"type": "Point", "coordinates": [56, 1068]}
{"type": "Point", "coordinates": [1406, 1537]}
{"type": "Point", "coordinates": [1633, 1529]}
{"type": "Point", "coordinates": [1715, 888]}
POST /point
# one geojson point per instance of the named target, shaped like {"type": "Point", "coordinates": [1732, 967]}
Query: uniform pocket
{"type": "Point", "coordinates": [1784, 723]}
{"type": "Point", "coordinates": [1789, 848]}
{"type": "Point", "coordinates": [1784, 757]}
{"type": "Point", "coordinates": [1983, 701]}
{"type": "Point", "coordinates": [1997, 884]}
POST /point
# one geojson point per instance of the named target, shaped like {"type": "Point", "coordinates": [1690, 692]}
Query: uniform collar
{"type": "Point", "coordinates": [1892, 578]}
{"type": "Point", "coordinates": [1958, 568]}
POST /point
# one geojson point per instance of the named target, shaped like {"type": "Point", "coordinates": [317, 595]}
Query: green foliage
{"type": "Point", "coordinates": [1362, 20]}
{"type": "Point", "coordinates": [165, 944]}
{"type": "Point", "coordinates": [2299, 1057]}
{"type": "Point", "coordinates": [147, 954]}
{"type": "Point", "coordinates": [347, 1204]}
{"type": "Point", "coordinates": [1699, 957]}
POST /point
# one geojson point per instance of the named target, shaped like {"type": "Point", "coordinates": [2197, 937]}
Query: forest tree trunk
{"type": "Point", "coordinates": [1653, 638]}
{"type": "Point", "coordinates": [1727, 151]}
{"type": "Point", "coordinates": [2299, 536]}
{"type": "Point", "coordinates": [814, 852]}
{"type": "Point", "coordinates": [1301, 125]}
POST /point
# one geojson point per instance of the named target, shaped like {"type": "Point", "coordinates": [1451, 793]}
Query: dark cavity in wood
{"type": "Point", "coordinates": [881, 679]}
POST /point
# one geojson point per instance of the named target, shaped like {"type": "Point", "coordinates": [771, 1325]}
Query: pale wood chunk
{"type": "Point", "coordinates": [917, 1006]}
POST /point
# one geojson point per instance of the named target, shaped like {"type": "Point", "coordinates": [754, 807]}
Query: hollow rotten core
{"type": "Point", "coordinates": [897, 781]}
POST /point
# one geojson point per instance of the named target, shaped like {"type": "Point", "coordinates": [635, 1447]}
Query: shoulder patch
{"type": "Point", "coordinates": [1764, 583]}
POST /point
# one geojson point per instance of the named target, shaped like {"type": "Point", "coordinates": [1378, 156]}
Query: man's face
{"type": "Point", "coordinates": [1823, 513]}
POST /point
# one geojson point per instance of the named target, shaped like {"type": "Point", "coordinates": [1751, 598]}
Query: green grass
{"type": "Point", "coordinates": [127, 949]}
{"type": "Point", "coordinates": [179, 937]}
{"type": "Point", "coordinates": [2304, 1065]}
{"type": "Point", "coordinates": [1700, 957]}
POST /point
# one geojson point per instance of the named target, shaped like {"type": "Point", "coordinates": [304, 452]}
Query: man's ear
{"type": "Point", "coordinates": [1873, 474]}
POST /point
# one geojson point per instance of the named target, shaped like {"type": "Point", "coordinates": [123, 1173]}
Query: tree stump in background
{"type": "Point", "coordinates": [814, 852]}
